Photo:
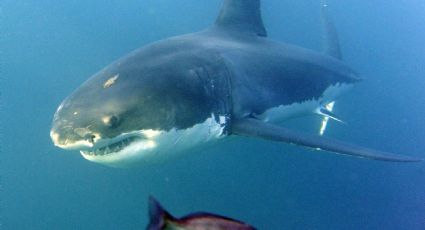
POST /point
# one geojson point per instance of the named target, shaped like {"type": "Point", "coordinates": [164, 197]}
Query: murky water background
{"type": "Point", "coordinates": [49, 47]}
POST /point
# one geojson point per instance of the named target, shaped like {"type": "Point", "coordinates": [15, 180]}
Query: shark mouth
{"type": "Point", "coordinates": [125, 149]}
{"type": "Point", "coordinates": [150, 146]}
{"type": "Point", "coordinates": [112, 148]}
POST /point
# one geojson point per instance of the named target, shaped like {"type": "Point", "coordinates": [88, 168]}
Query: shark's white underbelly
{"type": "Point", "coordinates": [298, 109]}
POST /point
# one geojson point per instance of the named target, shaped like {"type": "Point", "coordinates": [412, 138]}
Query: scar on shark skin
{"type": "Point", "coordinates": [111, 81]}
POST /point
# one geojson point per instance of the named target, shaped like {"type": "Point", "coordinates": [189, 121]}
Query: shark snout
{"type": "Point", "coordinates": [73, 139]}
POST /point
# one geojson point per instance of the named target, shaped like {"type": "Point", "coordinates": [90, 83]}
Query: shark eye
{"type": "Point", "coordinates": [111, 121]}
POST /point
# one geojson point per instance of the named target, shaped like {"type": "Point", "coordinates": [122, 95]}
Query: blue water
{"type": "Point", "coordinates": [49, 47]}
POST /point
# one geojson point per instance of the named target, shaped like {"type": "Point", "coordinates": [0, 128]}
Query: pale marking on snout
{"type": "Point", "coordinates": [111, 81]}
{"type": "Point", "coordinates": [54, 136]}
{"type": "Point", "coordinates": [78, 145]}
{"type": "Point", "coordinates": [82, 131]}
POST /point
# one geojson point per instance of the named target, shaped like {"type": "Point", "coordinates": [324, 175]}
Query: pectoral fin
{"type": "Point", "coordinates": [256, 128]}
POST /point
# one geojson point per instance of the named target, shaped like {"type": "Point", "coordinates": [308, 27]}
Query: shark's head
{"type": "Point", "coordinates": [138, 110]}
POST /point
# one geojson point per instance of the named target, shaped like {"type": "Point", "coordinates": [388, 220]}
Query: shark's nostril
{"type": "Point", "coordinates": [90, 138]}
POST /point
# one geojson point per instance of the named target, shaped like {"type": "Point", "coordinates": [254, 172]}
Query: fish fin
{"type": "Point", "coordinates": [243, 16]}
{"type": "Point", "coordinates": [229, 222]}
{"type": "Point", "coordinates": [255, 128]}
{"type": "Point", "coordinates": [158, 216]}
{"type": "Point", "coordinates": [330, 35]}
{"type": "Point", "coordinates": [326, 111]}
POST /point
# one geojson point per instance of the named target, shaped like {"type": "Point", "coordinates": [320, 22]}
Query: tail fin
{"type": "Point", "coordinates": [330, 35]}
{"type": "Point", "coordinates": [332, 48]}
{"type": "Point", "coordinates": [158, 216]}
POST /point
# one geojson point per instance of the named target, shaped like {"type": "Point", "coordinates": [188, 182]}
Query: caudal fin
{"type": "Point", "coordinates": [330, 35]}
{"type": "Point", "coordinates": [331, 47]}
{"type": "Point", "coordinates": [158, 216]}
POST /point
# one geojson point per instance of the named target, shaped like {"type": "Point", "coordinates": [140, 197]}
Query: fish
{"type": "Point", "coordinates": [160, 219]}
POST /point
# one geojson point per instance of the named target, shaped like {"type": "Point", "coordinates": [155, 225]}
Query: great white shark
{"type": "Point", "coordinates": [174, 95]}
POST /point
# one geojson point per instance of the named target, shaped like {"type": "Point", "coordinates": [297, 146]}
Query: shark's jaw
{"type": "Point", "coordinates": [152, 146]}
{"type": "Point", "coordinates": [120, 151]}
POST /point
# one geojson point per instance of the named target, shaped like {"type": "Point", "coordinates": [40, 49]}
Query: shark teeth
{"type": "Point", "coordinates": [112, 148]}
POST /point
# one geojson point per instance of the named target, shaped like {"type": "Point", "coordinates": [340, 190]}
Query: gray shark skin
{"type": "Point", "coordinates": [160, 219]}
{"type": "Point", "coordinates": [182, 93]}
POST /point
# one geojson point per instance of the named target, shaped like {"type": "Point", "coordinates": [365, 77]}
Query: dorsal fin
{"type": "Point", "coordinates": [243, 16]}
{"type": "Point", "coordinates": [330, 35]}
